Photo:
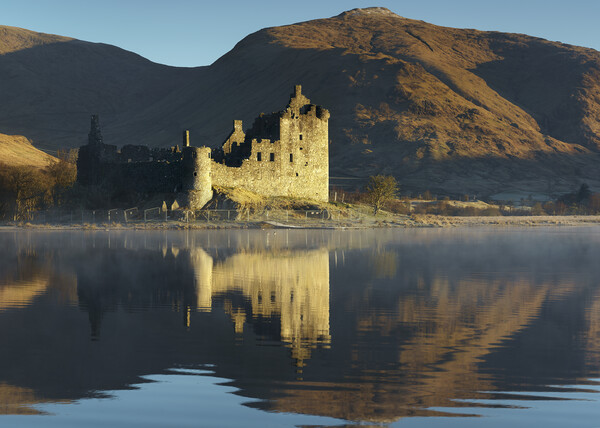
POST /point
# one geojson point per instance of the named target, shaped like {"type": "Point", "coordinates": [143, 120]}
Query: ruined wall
{"type": "Point", "coordinates": [296, 164]}
{"type": "Point", "coordinates": [133, 153]}
{"type": "Point", "coordinates": [144, 177]}
{"type": "Point", "coordinates": [236, 137]}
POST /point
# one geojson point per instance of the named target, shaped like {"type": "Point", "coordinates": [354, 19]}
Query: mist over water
{"type": "Point", "coordinates": [251, 328]}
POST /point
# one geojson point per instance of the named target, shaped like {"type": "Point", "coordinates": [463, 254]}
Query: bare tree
{"type": "Point", "coordinates": [63, 174]}
{"type": "Point", "coordinates": [380, 189]}
{"type": "Point", "coordinates": [28, 188]}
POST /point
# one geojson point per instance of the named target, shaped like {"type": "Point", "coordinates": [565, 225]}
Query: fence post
{"type": "Point", "coordinates": [94, 216]}
{"type": "Point", "coordinates": [145, 212]}
{"type": "Point", "coordinates": [81, 216]}
{"type": "Point", "coordinates": [287, 215]}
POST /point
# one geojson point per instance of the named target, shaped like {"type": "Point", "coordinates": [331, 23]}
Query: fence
{"type": "Point", "coordinates": [158, 215]}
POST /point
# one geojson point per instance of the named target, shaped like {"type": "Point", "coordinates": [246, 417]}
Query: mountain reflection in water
{"type": "Point", "coordinates": [363, 326]}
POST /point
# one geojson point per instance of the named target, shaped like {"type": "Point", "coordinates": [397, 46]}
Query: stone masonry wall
{"type": "Point", "coordinates": [296, 165]}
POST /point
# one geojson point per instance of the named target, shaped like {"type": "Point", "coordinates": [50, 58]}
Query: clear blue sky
{"type": "Point", "coordinates": [192, 33]}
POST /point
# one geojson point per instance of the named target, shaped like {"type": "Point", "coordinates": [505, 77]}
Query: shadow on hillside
{"type": "Point", "coordinates": [547, 174]}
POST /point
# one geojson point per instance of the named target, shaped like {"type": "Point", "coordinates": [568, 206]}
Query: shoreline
{"type": "Point", "coordinates": [414, 221]}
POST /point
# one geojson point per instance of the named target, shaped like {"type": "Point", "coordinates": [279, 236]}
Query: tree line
{"type": "Point", "coordinates": [381, 191]}
{"type": "Point", "coordinates": [26, 189]}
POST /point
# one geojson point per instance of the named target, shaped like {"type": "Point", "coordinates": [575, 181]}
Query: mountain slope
{"type": "Point", "coordinates": [50, 85]}
{"type": "Point", "coordinates": [16, 150]}
{"type": "Point", "coordinates": [14, 39]}
{"type": "Point", "coordinates": [450, 110]}
{"type": "Point", "coordinates": [446, 109]}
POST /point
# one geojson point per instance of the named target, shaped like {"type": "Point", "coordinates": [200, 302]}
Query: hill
{"type": "Point", "coordinates": [50, 85]}
{"type": "Point", "coordinates": [444, 109]}
{"type": "Point", "coordinates": [16, 150]}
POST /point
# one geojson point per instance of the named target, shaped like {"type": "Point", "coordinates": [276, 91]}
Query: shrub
{"type": "Point", "coordinates": [380, 189]}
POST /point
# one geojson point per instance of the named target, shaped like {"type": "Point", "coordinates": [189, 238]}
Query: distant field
{"type": "Point", "coordinates": [16, 150]}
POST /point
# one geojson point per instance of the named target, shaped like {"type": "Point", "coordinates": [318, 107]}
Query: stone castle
{"type": "Point", "coordinates": [282, 154]}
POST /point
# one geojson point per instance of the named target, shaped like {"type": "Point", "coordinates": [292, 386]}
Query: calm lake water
{"type": "Point", "coordinates": [402, 328]}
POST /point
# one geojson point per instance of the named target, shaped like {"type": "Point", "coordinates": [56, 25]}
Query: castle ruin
{"type": "Point", "coordinates": [282, 154]}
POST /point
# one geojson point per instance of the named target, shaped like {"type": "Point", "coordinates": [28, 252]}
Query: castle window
{"type": "Point", "coordinates": [195, 173]}
{"type": "Point", "coordinates": [272, 157]}
{"type": "Point", "coordinates": [300, 137]}
{"type": "Point", "coordinates": [300, 148]}
{"type": "Point", "coordinates": [259, 156]}
{"type": "Point", "coordinates": [296, 174]}
{"type": "Point", "coordinates": [291, 157]}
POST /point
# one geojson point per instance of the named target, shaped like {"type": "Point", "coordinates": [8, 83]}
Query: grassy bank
{"type": "Point", "coordinates": [384, 221]}
{"type": "Point", "coordinates": [240, 209]}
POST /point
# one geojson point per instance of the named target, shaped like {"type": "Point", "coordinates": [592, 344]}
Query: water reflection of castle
{"type": "Point", "coordinates": [419, 325]}
{"type": "Point", "coordinates": [289, 287]}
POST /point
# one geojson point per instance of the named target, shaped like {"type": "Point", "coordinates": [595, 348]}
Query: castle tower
{"type": "Point", "coordinates": [89, 170]}
{"type": "Point", "coordinates": [95, 136]}
{"type": "Point", "coordinates": [304, 137]}
{"type": "Point", "coordinates": [196, 176]}
{"type": "Point", "coordinates": [284, 153]}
